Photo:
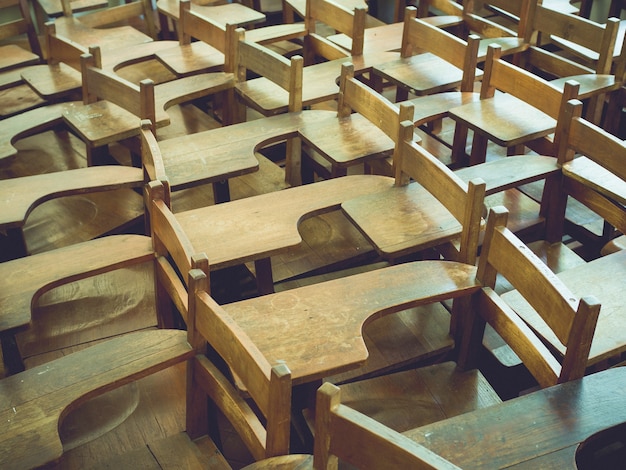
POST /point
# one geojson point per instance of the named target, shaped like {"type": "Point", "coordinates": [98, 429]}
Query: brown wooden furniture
{"type": "Point", "coordinates": [347, 436]}
{"type": "Point", "coordinates": [465, 19]}
{"type": "Point", "coordinates": [236, 14]}
{"type": "Point", "coordinates": [344, 435]}
{"type": "Point", "coordinates": [20, 196]}
{"type": "Point", "coordinates": [204, 43]}
{"type": "Point", "coordinates": [319, 80]}
{"type": "Point", "coordinates": [431, 61]}
{"type": "Point", "coordinates": [47, 9]}
{"type": "Point", "coordinates": [375, 121]}
{"type": "Point", "coordinates": [98, 28]}
{"type": "Point", "coordinates": [112, 106]}
{"type": "Point", "coordinates": [34, 402]}
{"type": "Point", "coordinates": [597, 78]}
{"type": "Point", "coordinates": [425, 395]}
{"type": "Point", "coordinates": [212, 331]}
{"type": "Point", "coordinates": [593, 174]}
{"type": "Point", "coordinates": [253, 230]}
{"type": "Point", "coordinates": [508, 113]}
{"type": "Point", "coordinates": [543, 429]}
{"type": "Point", "coordinates": [12, 55]}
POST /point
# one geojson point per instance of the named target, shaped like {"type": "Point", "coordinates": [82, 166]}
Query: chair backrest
{"type": "Point", "coordinates": [419, 36]}
{"type": "Point", "coordinates": [60, 49]}
{"type": "Point", "coordinates": [545, 23]}
{"type": "Point", "coordinates": [355, 96]}
{"type": "Point", "coordinates": [139, 11]}
{"type": "Point", "coordinates": [572, 319]}
{"type": "Point", "coordinates": [346, 435]}
{"type": "Point", "coordinates": [534, 90]}
{"type": "Point", "coordinates": [22, 23]}
{"type": "Point", "coordinates": [269, 386]}
{"type": "Point", "coordinates": [253, 57]}
{"type": "Point", "coordinates": [440, 7]}
{"type": "Point", "coordinates": [192, 25]}
{"type": "Point", "coordinates": [601, 157]}
{"type": "Point", "coordinates": [341, 20]}
{"type": "Point", "coordinates": [102, 84]}
{"type": "Point", "coordinates": [463, 200]}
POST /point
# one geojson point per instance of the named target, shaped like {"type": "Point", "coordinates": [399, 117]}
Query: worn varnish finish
{"type": "Point", "coordinates": [538, 430]}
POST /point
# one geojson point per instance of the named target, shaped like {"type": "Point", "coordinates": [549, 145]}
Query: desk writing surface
{"type": "Point", "coordinates": [542, 428]}
{"type": "Point", "coordinates": [317, 329]}
{"type": "Point", "coordinates": [233, 13]}
{"type": "Point", "coordinates": [379, 38]}
{"type": "Point", "coordinates": [320, 82]}
{"type": "Point", "coordinates": [604, 278]}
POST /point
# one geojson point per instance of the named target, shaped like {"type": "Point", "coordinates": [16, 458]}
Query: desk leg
{"type": "Point", "coordinates": [12, 245]}
{"type": "Point", "coordinates": [11, 355]}
{"type": "Point", "coordinates": [264, 276]}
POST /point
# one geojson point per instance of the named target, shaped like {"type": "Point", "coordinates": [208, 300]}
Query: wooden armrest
{"type": "Point", "coordinates": [595, 176]}
{"type": "Point", "coordinates": [510, 172]}
{"type": "Point", "coordinates": [33, 401]}
{"type": "Point", "coordinates": [23, 280]}
{"type": "Point", "coordinates": [280, 32]}
{"type": "Point", "coordinates": [19, 196]}
{"type": "Point", "coordinates": [28, 123]}
{"type": "Point", "coordinates": [52, 81]}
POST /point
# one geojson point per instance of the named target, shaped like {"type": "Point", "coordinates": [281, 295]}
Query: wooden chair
{"type": "Point", "coordinates": [340, 19]}
{"type": "Point", "coordinates": [593, 174]}
{"type": "Point", "coordinates": [402, 400]}
{"type": "Point", "coordinates": [344, 435]}
{"type": "Point", "coordinates": [425, 215]}
{"type": "Point", "coordinates": [108, 98]}
{"type": "Point", "coordinates": [337, 428]}
{"type": "Point", "coordinates": [35, 401]}
{"type": "Point", "coordinates": [431, 60]}
{"type": "Point", "coordinates": [13, 55]}
{"type": "Point", "coordinates": [19, 196]}
{"type": "Point", "coordinates": [597, 78]}
{"type": "Point", "coordinates": [523, 114]}
{"type": "Point", "coordinates": [99, 28]}
{"type": "Point", "coordinates": [357, 104]}
{"type": "Point", "coordinates": [204, 43]}
{"type": "Point", "coordinates": [212, 332]}
{"type": "Point", "coordinates": [466, 19]}
{"type": "Point", "coordinates": [20, 48]}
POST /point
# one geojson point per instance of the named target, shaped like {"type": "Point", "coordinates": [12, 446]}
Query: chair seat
{"type": "Point", "coordinates": [52, 81]}
{"type": "Point", "coordinates": [431, 107]}
{"type": "Point", "coordinates": [108, 39]}
{"type": "Point", "coordinates": [590, 84]}
{"type": "Point", "coordinates": [505, 119]}
{"type": "Point", "coordinates": [14, 56]}
{"type": "Point", "coordinates": [387, 398]}
{"type": "Point", "coordinates": [191, 58]}
{"type": "Point", "coordinates": [423, 74]}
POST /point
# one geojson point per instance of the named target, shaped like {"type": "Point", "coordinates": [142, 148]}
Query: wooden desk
{"type": "Point", "coordinates": [423, 74]}
{"type": "Point", "coordinates": [604, 278]}
{"type": "Point", "coordinates": [538, 430]}
{"type": "Point", "coordinates": [317, 329]}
